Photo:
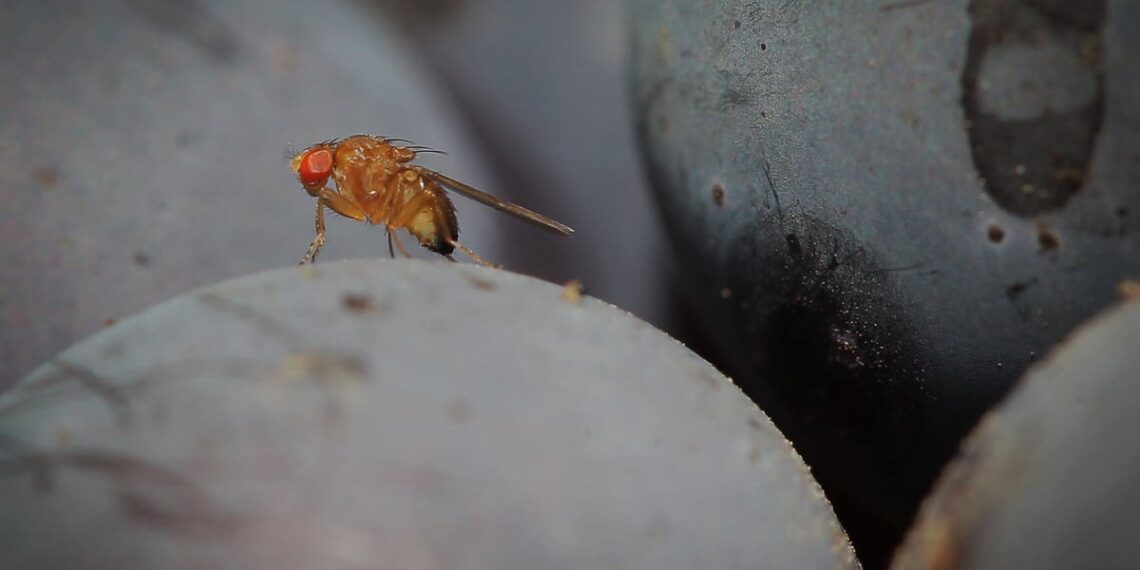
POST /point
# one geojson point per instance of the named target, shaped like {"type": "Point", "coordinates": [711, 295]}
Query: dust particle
{"type": "Point", "coordinates": [1046, 239]}
{"type": "Point", "coordinates": [572, 291]}
{"type": "Point", "coordinates": [718, 194]}
{"type": "Point", "coordinates": [358, 303]}
{"type": "Point", "coordinates": [1015, 290]}
{"type": "Point", "coordinates": [481, 283]}
{"type": "Point", "coordinates": [995, 233]}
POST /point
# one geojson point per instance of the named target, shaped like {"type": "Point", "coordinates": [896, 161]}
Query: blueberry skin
{"type": "Point", "coordinates": [882, 231]}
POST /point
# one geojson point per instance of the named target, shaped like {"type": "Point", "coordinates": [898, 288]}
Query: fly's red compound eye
{"type": "Point", "coordinates": [315, 167]}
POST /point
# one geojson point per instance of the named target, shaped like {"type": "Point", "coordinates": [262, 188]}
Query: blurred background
{"type": "Point", "coordinates": [880, 215]}
{"type": "Point", "coordinates": [151, 137]}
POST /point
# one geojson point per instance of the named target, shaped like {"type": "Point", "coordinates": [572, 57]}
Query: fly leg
{"type": "Point", "coordinates": [337, 203]}
{"type": "Point", "coordinates": [319, 241]}
{"type": "Point", "coordinates": [399, 244]}
{"type": "Point", "coordinates": [470, 253]}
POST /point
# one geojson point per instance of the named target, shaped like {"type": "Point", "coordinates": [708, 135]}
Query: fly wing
{"type": "Point", "coordinates": [501, 205]}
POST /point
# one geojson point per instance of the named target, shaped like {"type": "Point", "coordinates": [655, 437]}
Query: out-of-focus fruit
{"type": "Point", "coordinates": [397, 414]}
{"type": "Point", "coordinates": [1048, 480]}
{"type": "Point", "coordinates": [890, 209]}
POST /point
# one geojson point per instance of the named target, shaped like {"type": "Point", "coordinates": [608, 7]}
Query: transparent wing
{"type": "Point", "coordinates": [501, 205]}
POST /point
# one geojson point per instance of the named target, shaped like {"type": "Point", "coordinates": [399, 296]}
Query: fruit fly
{"type": "Point", "coordinates": [377, 183]}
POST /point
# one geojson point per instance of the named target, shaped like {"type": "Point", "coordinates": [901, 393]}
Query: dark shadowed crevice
{"type": "Point", "coordinates": [835, 362]}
